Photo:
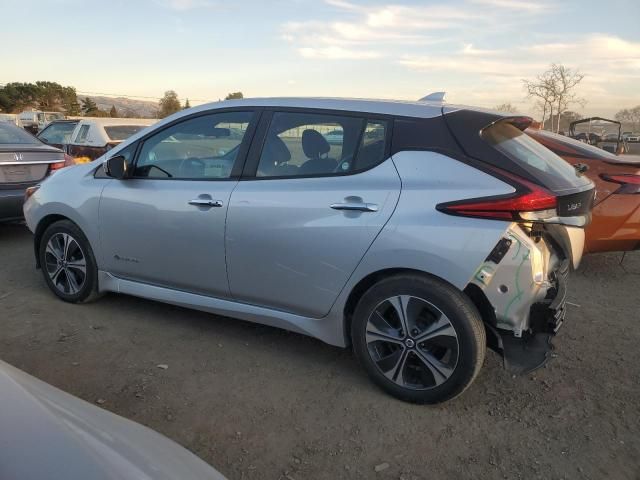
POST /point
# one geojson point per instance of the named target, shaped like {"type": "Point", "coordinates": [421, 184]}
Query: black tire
{"type": "Point", "coordinates": [436, 307]}
{"type": "Point", "coordinates": [79, 248]}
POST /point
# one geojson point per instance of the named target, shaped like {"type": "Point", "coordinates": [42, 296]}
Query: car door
{"type": "Point", "coordinates": [307, 209]}
{"type": "Point", "coordinates": [165, 224]}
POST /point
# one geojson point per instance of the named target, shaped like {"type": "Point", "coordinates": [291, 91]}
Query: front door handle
{"type": "Point", "coordinates": [358, 207]}
{"type": "Point", "coordinates": [205, 202]}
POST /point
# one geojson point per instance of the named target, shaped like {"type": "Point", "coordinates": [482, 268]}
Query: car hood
{"type": "Point", "coordinates": [46, 433]}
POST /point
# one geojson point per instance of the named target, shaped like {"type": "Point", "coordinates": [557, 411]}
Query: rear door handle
{"type": "Point", "coordinates": [358, 207]}
{"type": "Point", "coordinates": [204, 202]}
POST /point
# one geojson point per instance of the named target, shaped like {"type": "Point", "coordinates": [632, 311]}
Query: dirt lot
{"type": "Point", "coordinates": [261, 403]}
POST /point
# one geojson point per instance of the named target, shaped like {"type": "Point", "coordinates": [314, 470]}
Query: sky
{"type": "Point", "coordinates": [478, 51]}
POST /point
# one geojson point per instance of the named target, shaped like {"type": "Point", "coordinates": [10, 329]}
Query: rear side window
{"type": "Point", "coordinates": [540, 162]}
{"type": "Point", "coordinates": [117, 133]}
{"type": "Point", "coordinates": [312, 144]}
{"type": "Point", "coordinates": [82, 134]}
{"type": "Point", "coordinates": [10, 134]}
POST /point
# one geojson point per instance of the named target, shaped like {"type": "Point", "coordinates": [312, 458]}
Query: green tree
{"type": "Point", "coordinates": [16, 96]}
{"type": "Point", "coordinates": [43, 95]}
{"type": "Point", "coordinates": [169, 104]}
{"type": "Point", "coordinates": [186, 104]}
{"type": "Point", "coordinates": [234, 96]}
{"type": "Point", "coordinates": [89, 107]}
{"type": "Point", "coordinates": [113, 113]}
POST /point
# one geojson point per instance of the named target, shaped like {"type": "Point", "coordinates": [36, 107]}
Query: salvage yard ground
{"type": "Point", "coordinates": [261, 403]}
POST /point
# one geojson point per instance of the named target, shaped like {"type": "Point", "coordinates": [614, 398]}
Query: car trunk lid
{"type": "Point", "coordinates": [20, 165]}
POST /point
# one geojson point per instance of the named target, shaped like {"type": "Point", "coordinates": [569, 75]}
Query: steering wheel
{"type": "Point", "coordinates": [188, 163]}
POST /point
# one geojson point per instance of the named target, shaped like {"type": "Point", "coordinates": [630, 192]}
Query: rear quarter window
{"type": "Point", "coordinates": [541, 163]}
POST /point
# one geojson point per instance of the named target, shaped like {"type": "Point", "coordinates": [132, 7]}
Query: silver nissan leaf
{"type": "Point", "coordinates": [422, 234]}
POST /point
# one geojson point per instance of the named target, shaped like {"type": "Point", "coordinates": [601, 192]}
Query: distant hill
{"type": "Point", "coordinates": [126, 107]}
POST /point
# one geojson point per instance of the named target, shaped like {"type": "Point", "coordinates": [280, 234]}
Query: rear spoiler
{"type": "Point", "coordinates": [521, 122]}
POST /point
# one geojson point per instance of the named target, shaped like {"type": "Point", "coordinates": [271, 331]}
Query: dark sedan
{"type": "Point", "coordinates": [24, 161]}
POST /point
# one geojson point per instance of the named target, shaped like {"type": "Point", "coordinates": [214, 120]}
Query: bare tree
{"type": "Point", "coordinates": [565, 80]}
{"type": "Point", "coordinates": [506, 107]}
{"type": "Point", "coordinates": [543, 92]}
{"type": "Point", "coordinates": [630, 117]}
{"type": "Point", "coordinates": [554, 92]}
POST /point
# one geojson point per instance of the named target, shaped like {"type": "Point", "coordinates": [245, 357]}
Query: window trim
{"type": "Point", "coordinates": [236, 170]}
{"type": "Point", "coordinates": [253, 158]}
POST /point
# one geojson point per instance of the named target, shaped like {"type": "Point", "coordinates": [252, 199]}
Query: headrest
{"type": "Point", "coordinates": [314, 144]}
{"type": "Point", "coordinates": [276, 150]}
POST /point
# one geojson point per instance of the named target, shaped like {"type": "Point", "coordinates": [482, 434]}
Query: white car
{"type": "Point", "coordinates": [92, 137]}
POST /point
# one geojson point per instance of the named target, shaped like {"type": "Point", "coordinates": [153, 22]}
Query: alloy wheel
{"type": "Point", "coordinates": [66, 263]}
{"type": "Point", "coordinates": [412, 342]}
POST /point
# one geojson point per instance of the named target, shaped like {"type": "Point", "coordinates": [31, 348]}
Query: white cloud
{"type": "Point", "coordinates": [527, 6]}
{"type": "Point", "coordinates": [183, 5]}
{"type": "Point", "coordinates": [462, 47]}
{"type": "Point", "coordinates": [337, 53]}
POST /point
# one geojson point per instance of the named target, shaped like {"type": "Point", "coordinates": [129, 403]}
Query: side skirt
{"type": "Point", "coordinates": [313, 327]}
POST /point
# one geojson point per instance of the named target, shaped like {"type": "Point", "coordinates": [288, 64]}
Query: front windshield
{"type": "Point", "coordinates": [12, 135]}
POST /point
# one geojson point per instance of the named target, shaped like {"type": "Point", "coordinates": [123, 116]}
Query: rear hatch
{"type": "Point", "coordinates": [508, 153]}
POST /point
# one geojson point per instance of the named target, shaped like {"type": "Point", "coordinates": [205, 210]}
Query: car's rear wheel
{"type": "Point", "coordinates": [419, 338]}
{"type": "Point", "coordinates": [67, 262]}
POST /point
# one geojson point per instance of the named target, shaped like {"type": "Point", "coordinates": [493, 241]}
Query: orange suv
{"type": "Point", "coordinates": [615, 224]}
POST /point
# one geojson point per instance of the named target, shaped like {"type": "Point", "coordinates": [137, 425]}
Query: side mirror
{"type": "Point", "coordinates": [116, 167]}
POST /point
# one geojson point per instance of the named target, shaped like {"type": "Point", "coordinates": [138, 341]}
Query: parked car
{"type": "Point", "coordinates": [24, 161]}
{"type": "Point", "coordinates": [47, 433]}
{"type": "Point", "coordinates": [334, 137]}
{"type": "Point", "coordinates": [58, 133]}
{"type": "Point", "coordinates": [417, 245]}
{"type": "Point", "coordinates": [634, 137]}
{"type": "Point", "coordinates": [616, 216]}
{"type": "Point", "coordinates": [36, 120]}
{"type": "Point", "coordinates": [92, 137]}
{"type": "Point", "coordinates": [11, 118]}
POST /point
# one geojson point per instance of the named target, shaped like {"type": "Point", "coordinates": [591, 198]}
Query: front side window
{"type": "Point", "coordinates": [309, 144]}
{"type": "Point", "coordinates": [58, 132]}
{"type": "Point", "coordinates": [204, 147]}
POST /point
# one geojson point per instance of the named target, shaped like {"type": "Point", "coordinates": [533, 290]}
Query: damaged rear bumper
{"type": "Point", "coordinates": [525, 281]}
{"type": "Point", "coordinates": [533, 349]}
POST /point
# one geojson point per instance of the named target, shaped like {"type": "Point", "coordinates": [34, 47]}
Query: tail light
{"type": "Point", "coordinates": [529, 203]}
{"type": "Point", "coordinates": [628, 183]}
{"type": "Point", "coordinates": [56, 166]}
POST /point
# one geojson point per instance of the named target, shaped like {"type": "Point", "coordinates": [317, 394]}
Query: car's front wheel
{"type": "Point", "coordinates": [67, 262]}
{"type": "Point", "coordinates": [419, 338]}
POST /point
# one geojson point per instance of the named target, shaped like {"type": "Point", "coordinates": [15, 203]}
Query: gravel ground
{"type": "Point", "coordinates": [262, 403]}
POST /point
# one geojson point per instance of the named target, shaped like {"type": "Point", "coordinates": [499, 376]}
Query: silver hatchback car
{"type": "Point", "coordinates": [422, 235]}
